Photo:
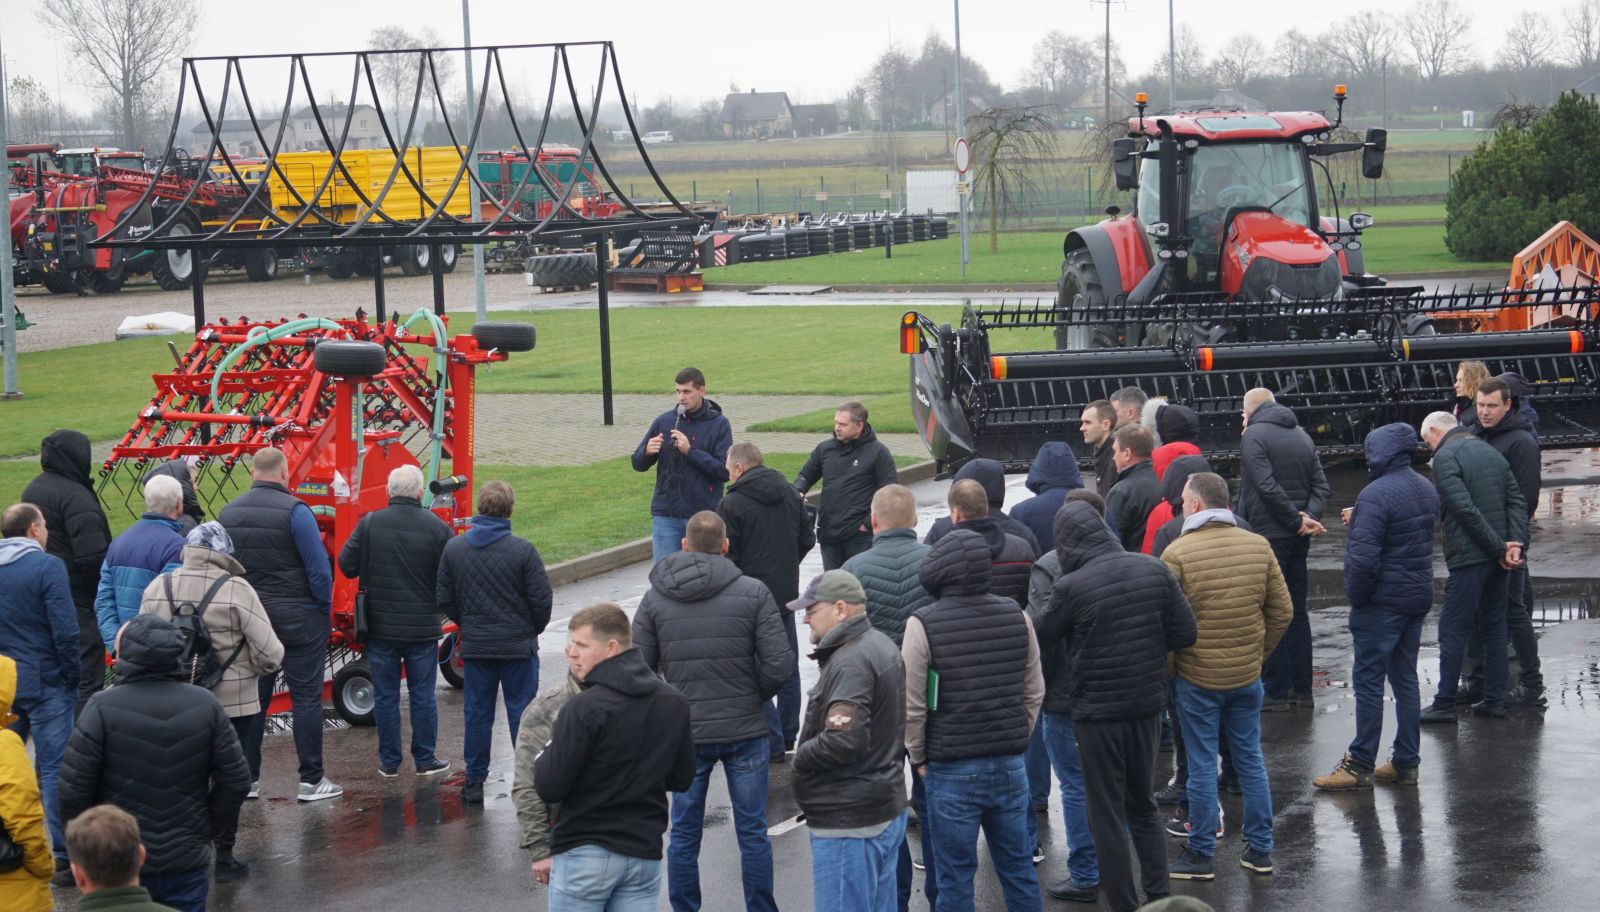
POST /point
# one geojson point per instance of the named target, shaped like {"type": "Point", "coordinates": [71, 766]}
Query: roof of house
{"type": "Point", "coordinates": [742, 106]}
{"type": "Point", "coordinates": [332, 110]}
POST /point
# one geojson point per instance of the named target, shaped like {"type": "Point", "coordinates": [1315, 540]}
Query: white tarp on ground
{"type": "Point", "coordinates": [932, 191]}
{"type": "Point", "coordinates": [166, 323]}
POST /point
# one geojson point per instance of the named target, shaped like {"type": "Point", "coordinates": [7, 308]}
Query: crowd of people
{"type": "Point", "coordinates": [1079, 636]}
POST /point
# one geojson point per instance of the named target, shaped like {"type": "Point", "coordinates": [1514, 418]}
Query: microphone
{"type": "Point", "coordinates": [681, 412]}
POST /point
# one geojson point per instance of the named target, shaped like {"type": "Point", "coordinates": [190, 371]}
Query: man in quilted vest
{"type": "Point", "coordinates": [1242, 608]}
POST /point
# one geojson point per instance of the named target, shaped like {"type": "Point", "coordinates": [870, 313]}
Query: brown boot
{"type": "Point", "coordinates": [1395, 775]}
{"type": "Point", "coordinates": [1344, 777]}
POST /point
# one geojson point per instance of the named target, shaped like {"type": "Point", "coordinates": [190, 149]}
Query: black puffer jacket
{"type": "Point", "coordinates": [158, 748]}
{"type": "Point", "coordinates": [1514, 439]}
{"type": "Point", "coordinates": [193, 514]}
{"type": "Point", "coordinates": [1135, 494]}
{"type": "Point", "coordinates": [716, 636]}
{"type": "Point", "coordinates": [1280, 474]}
{"type": "Point", "coordinates": [1054, 658]}
{"type": "Point", "coordinates": [79, 533]}
{"type": "Point", "coordinates": [1011, 556]}
{"type": "Point", "coordinates": [399, 548]}
{"type": "Point", "coordinates": [1118, 614]}
{"type": "Point", "coordinates": [494, 585]}
{"type": "Point", "coordinates": [767, 530]}
{"type": "Point", "coordinates": [849, 765]}
{"type": "Point", "coordinates": [850, 474]}
{"type": "Point", "coordinates": [992, 475]}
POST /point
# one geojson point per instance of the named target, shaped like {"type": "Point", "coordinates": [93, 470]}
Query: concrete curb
{"type": "Point", "coordinates": [590, 565]}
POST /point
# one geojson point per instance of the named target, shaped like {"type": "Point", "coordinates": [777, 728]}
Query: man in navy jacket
{"type": "Point", "coordinates": [688, 446]}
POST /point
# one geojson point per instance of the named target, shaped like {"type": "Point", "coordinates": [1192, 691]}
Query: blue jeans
{"type": "Point", "coordinates": [930, 869]}
{"type": "Point", "coordinates": [1061, 739]}
{"type": "Point", "coordinates": [1236, 714]}
{"type": "Point", "coordinates": [1386, 647]}
{"type": "Point", "coordinates": [47, 718]}
{"type": "Point", "coordinates": [482, 681]}
{"type": "Point", "coordinates": [421, 660]}
{"type": "Point", "coordinates": [305, 663]}
{"type": "Point", "coordinates": [666, 536]}
{"type": "Point", "coordinates": [783, 711]}
{"type": "Point", "coordinates": [1289, 666]}
{"type": "Point", "coordinates": [986, 792]}
{"type": "Point", "coordinates": [857, 875]}
{"type": "Point", "coordinates": [185, 892]}
{"type": "Point", "coordinates": [1474, 598]}
{"type": "Point", "coordinates": [744, 763]}
{"type": "Point", "coordinates": [592, 878]}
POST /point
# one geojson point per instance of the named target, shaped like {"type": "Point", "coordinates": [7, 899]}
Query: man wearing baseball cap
{"type": "Point", "coordinates": [848, 766]}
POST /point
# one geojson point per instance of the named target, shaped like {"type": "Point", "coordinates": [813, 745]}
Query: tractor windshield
{"type": "Point", "coordinates": [1233, 175]}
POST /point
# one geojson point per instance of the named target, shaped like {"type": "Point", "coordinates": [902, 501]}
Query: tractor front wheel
{"type": "Point", "coordinates": [352, 693]}
{"type": "Point", "coordinates": [1079, 292]}
{"type": "Point", "coordinates": [261, 265]}
{"type": "Point", "coordinates": [173, 269]}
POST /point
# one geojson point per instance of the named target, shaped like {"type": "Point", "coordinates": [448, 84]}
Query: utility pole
{"type": "Point", "coordinates": [1385, 93]}
{"type": "Point", "coordinates": [8, 293]}
{"type": "Point", "coordinates": [1172, 58]}
{"type": "Point", "coordinates": [472, 162]}
{"type": "Point", "coordinates": [1107, 4]}
{"type": "Point", "coordinates": [961, 136]}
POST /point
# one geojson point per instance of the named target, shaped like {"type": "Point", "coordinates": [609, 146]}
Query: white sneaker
{"type": "Point", "coordinates": [255, 790]}
{"type": "Point", "coordinates": [317, 792]}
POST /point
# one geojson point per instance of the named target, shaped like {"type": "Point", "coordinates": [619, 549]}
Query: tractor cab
{"type": "Point", "coordinates": [87, 162]}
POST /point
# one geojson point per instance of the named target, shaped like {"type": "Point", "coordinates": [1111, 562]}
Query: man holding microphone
{"type": "Point", "coordinates": [688, 446]}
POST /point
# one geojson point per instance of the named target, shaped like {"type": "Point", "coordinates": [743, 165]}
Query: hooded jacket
{"type": "Point", "coordinates": [850, 473]}
{"type": "Point", "coordinates": [850, 761]}
{"type": "Point", "coordinates": [538, 722]}
{"type": "Point", "coordinates": [1168, 507]}
{"type": "Point", "coordinates": [715, 635]}
{"type": "Point", "coordinates": [616, 749]}
{"type": "Point", "coordinates": [150, 546]}
{"type": "Point", "coordinates": [1514, 439]}
{"type": "Point", "coordinates": [1241, 604]}
{"type": "Point", "coordinates": [1011, 558]}
{"type": "Point", "coordinates": [1479, 500]}
{"type": "Point", "coordinates": [193, 515]}
{"type": "Point", "coordinates": [404, 542]}
{"type": "Point", "coordinates": [158, 748]}
{"type": "Point", "coordinates": [1116, 614]}
{"type": "Point", "coordinates": [1135, 494]}
{"type": "Point", "coordinates": [1172, 496]}
{"type": "Point", "coordinates": [26, 889]}
{"type": "Point", "coordinates": [494, 585]}
{"type": "Point", "coordinates": [890, 573]}
{"type": "Point", "coordinates": [1171, 423]}
{"type": "Point", "coordinates": [234, 616]}
{"type": "Point", "coordinates": [38, 623]}
{"type": "Point", "coordinates": [1052, 475]}
{"type": "Point", "coordinates": [1281, 475]}
{"type": "Point", "coordinates": [992, 475]}
{"type": "Point", "coordinates": [1388, 557]}
{"type": "Point", "coordinates": [79, 533]}
{"type": "Point", "coordinates": [687, 483]}
{"type": "Point", "coordinates": [768, 533]}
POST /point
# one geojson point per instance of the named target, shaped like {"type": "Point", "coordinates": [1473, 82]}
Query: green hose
{"type": "Point", "coordinates": [441, 352]}
{"type": "Point", "coordinates": [261, 335]}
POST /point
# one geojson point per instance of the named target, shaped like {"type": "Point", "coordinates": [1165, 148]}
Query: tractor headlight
{"type": "Point", "coordinates": [1164, 254]}
{"type": "Point", "coordinates": [1360, 221]}
{"type": "Point", "coordinates": [1182, 254]}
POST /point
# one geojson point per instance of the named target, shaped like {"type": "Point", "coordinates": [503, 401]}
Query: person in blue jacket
{"type": "Point", "coordinates": [688, 446]}
{"type": "Point", "coordinates": [1388, 576]}
{"type": "Point", "coordinates": [1052, 476]}
{"type": "Point", "coordinates": [149, 548]}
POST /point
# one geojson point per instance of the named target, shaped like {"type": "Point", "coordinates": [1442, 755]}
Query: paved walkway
{"type": "Point", "coordinates": [565, 428]}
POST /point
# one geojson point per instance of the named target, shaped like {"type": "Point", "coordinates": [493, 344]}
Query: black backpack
{"type": "Point", "coordinates": [199, 659]}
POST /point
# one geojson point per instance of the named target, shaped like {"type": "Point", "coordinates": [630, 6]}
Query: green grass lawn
{"type": "Point", "coordinates": [888, 414]}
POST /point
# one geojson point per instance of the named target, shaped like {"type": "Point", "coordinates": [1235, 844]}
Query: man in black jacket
{"type": "Point", "coordinates": [79, 535]}
{"type": "Point", "coordinates": [768, 536]}
{"type": "Point", "coordinates": [852, 465]}
{"type": "Point", "coordinates": [848, 770]}
{"type": "Point", "coordinates": [1010, 555]}
{"type": "Point", "coordinates": [1096, 424]}
{"type": "Point", "coordinates": [493, 584]}
{"type": "Point", "coordinates": [394, 552]}
{"type": "Point", "coordinates": [164, 751]}
{"type": "Point", "coordinates": [1137, 490]}
{"type": "Point", "coordinates": [716, 636]}
{"type": "Point", "coordinates": [615, 750]}
{"type": "Point", "coordinates": [992, 475]}
{"type": "Point", "coordinates": [1282, 493]}
{"type": "Point", "coordinates": [1507, 428]}
{"type": "Point", "coordinates": [1118, 614]}
{"type": "Point", "coordinates": [973, 691]}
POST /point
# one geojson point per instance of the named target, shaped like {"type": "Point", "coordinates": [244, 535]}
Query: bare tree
{"type": "Point", "coordinates": [30, 114]}
{"type": "Point", "coordinates": [1361, 44]}
{"type": "Point", "coordinates": [1296, 54]}
{"type": "Point", "coordinates": [1530, 44]}
{"type": "Point", "coordinates": [1437, 31]}
{"type": "Point", "coordinates": [1582, 45]}
{"type": "Point", "coordinates": [396, 74]}
{"type": "Point", "coordinates": [1065, 67]}
{"type": "Point", "coordinates": [126, 47]}
{"type": "Point", "coordinates": [1009, 147]}
{"type": "Point", "coordinates": [1188, 56]}
{"type": "Point", "coordinates": [1240, 60]}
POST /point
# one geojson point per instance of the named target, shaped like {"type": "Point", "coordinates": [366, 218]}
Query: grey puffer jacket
{"type": "Point", "coordinates": [890, 571]}
{"type": "Point", "coordinates": [716, 636]}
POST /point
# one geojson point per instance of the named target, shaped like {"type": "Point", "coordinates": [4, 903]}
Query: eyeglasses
{"type": "Point", "coordinates": [817, 606]}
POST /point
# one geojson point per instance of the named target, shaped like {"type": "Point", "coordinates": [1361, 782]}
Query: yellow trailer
{"type": "Point", "coordinates": [434, 167]}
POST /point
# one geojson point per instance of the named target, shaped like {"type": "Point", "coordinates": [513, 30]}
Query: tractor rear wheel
{"type": "Point", "coordinates": [60, 281]}
{"type": "Point", "coordinates": [174, 269]}
{"type": "Point", "coordinates": [349, 358]}
{"type": "Point", "coordinates": [108, 281]}
{"type": "Point", "coordinates": [562, 270]}
{"type": "Point", "coordinates": [261, 265]}
{"type": "Point", "coordinates": [509, 337]}
{"type": "Point", "coordinates": [352, 693]}
{"type": "Point", "coordinates": [1079, 291]}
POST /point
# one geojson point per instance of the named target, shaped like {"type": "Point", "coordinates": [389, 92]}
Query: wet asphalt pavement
{"type": "Point", "coordinates": [1501, 820]}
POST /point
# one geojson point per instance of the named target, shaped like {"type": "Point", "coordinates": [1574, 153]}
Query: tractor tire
{"type": "Point", "coordinates": [60, 282]}
{"type": "Point", "coordinates": [343, 358]}
{"type": "Point", "coordinates": [407, 258]}
{"type": "Point", "coordinates": [450, 665]}
{"type": "Point", "coordinates": [173, 270]}
{"type": "Point", "coordinates": [563, 270]}
{"type": "Point", "coordinates": [507, 337]}
{"type": "Point", "coordinates": [261, 265]}
{"type": "Point", "coordinates": [108, 281]}
{"type": "Point", "coordinates": [448, 255]}
{"type": "Point", "coordinates": [352, 693]}
{"type": "Point", "coordinates": [1080, 288]}
{"type": "Point", "coordinates": [341, 269]}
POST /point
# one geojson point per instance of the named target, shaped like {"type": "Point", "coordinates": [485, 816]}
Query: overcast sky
{"type": "Point", "coordinates": [813, 49]}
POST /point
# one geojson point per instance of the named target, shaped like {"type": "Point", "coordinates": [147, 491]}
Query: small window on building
{"type": "Point", "coordinates": [363, 124]}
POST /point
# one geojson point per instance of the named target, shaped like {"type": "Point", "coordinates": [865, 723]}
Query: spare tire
{"type": "Point", "coordinates": [510, 337]}
{"type": "Point", "coordinates": [562, 270]}
{"type": "Point", "coordinates": [346, 358]}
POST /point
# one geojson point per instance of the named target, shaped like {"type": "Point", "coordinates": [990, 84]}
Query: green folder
{"type": "Point", "coordinates": [933, 690]}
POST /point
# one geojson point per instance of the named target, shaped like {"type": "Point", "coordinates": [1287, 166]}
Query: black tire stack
{"type": "Point", "coordinates": [561, 270]}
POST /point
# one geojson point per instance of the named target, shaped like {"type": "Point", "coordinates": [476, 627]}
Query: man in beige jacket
{"type": "Point", "coordinates": [1242, 608]}
{"type": "Point", "coordinates": [241, 638]}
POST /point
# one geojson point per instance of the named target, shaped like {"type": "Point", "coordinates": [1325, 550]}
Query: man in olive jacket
{"type": "Point", "coordinates": [852, 465]}
{"type": "Point", "coordinates": [1242, 608]}
{"type": "Point", "coordinates": [1485, 522]}
{"type": "Point", "coordinates": [848, 777]}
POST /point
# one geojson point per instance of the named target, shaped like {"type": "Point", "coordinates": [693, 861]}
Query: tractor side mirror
{"type": "Point", "coordinates": [1376, 144]}
{"type": "Point", "coordinates": [1124, 164]}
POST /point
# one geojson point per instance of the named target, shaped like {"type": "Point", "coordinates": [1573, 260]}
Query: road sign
{"type": "Point", "coordinates": [963, 188]}
{"type": "Point", "coordinates": [963, 155]}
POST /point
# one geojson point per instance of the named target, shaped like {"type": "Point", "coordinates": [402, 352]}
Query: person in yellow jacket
{"type": "Point", "coordinates": [26, 889]}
